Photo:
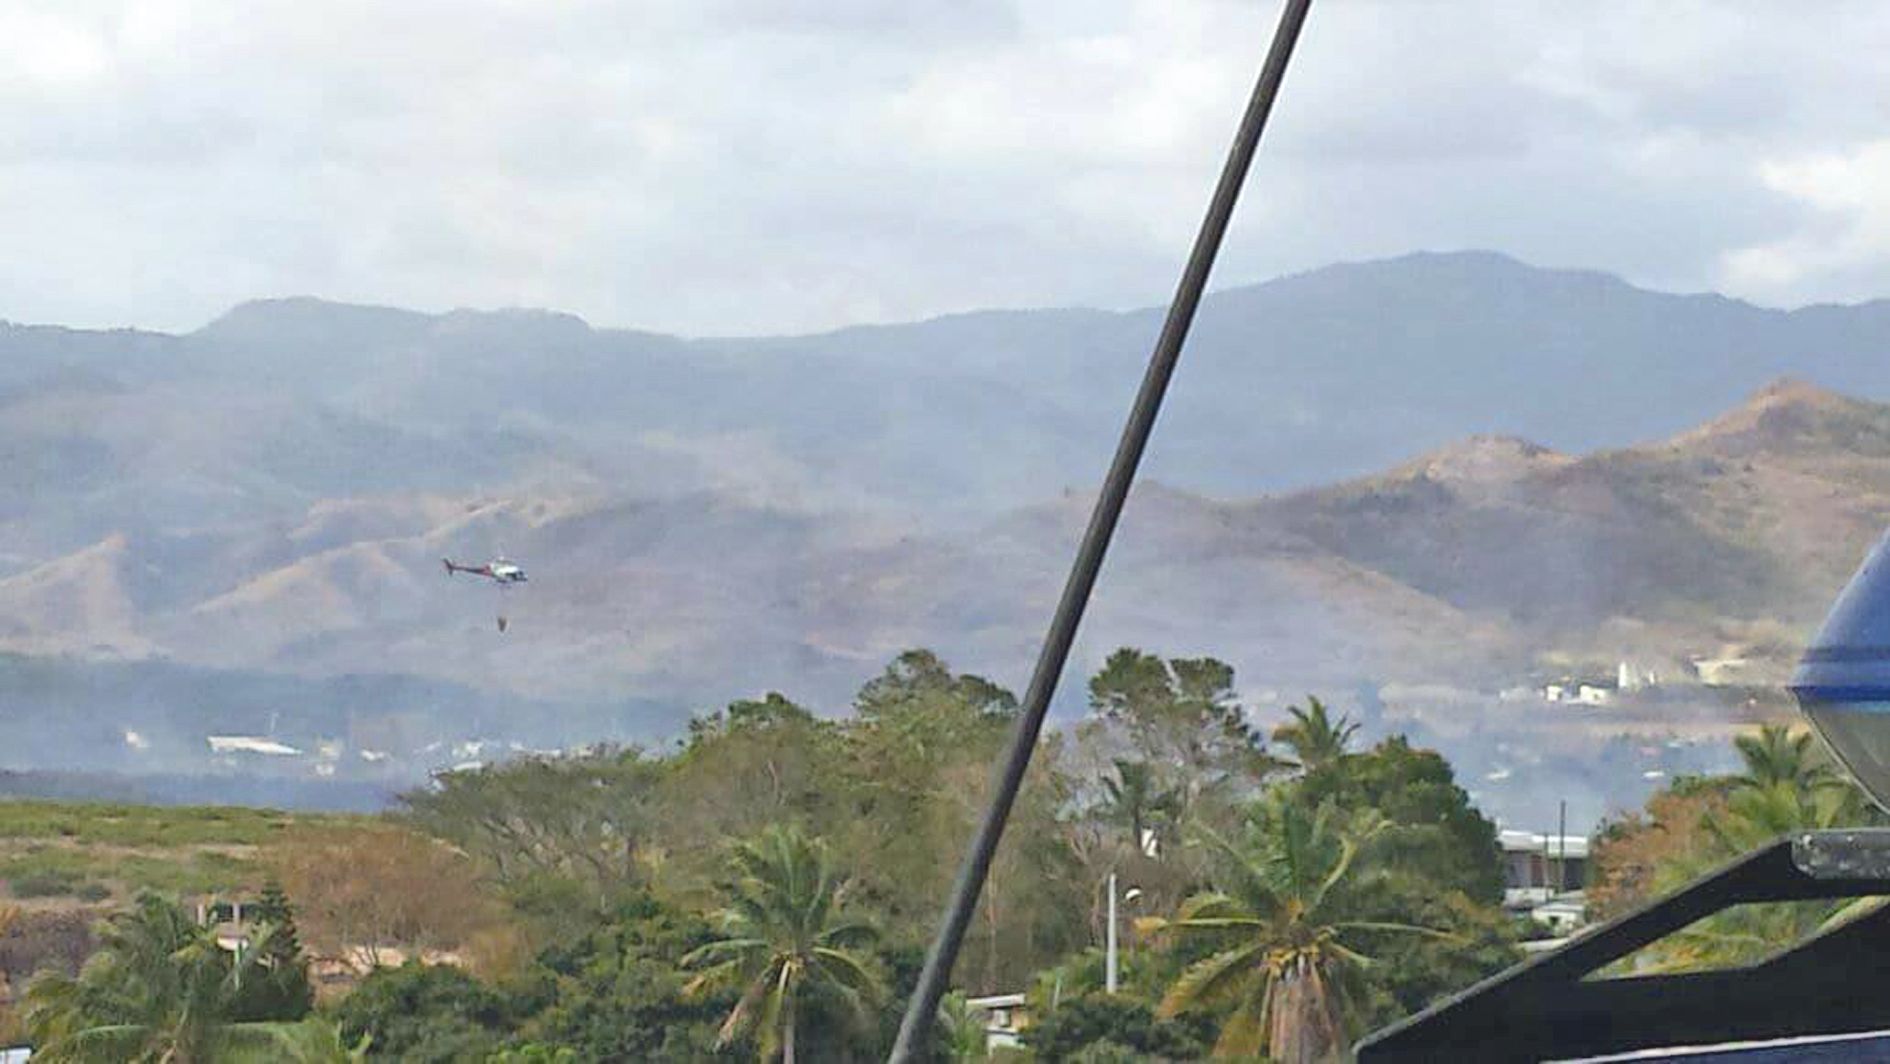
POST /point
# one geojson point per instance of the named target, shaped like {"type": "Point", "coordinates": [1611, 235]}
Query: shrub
{"type": "Point", "coordinates": [43, 883]}
{"type": "Point", "coordinates": [1101, 1027]}
{"type": "Point", "coordinates": [425, 1014]}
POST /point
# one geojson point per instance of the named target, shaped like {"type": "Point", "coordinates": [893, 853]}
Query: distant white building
{"type": "Point", "coordinates": [1632, 677]}
{"type": "Point", "coordinates": [1540, 870]}
{"type": "Point", "coordinates": [251, 744]}
{"type": "Point", "coordinates": [1722, 671]}
{"type": "Point", "coordinates": [1585, 693]}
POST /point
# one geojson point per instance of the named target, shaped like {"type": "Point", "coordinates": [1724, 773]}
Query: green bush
{"type": "Point", "coordinates": [1102, 1027]}
{"type": "Point", "coordinates": [43, 883]}
{"type": "Point", "coordinates": [425, 1014]}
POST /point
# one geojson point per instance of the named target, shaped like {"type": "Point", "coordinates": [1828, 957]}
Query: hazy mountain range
{"type": "Point", "coordinates": [267, 500]}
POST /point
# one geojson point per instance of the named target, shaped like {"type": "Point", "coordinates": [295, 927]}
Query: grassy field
{"type": "Point", "coordinates": [55, 854]}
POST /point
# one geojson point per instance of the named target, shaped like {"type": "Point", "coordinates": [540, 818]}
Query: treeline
{"type": "Point", "coordinates": [1788, 783]}
{"type": "Point", "coordinates": [766, 888]}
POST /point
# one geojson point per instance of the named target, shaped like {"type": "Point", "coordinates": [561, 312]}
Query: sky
{"type": "Point", "coordinates": [716, 167]}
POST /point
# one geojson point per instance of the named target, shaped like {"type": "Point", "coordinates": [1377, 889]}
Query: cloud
{"type": "Point", "coordinates": [735, 166]}
{"type": "Point", "coordinates": [1842, 250]}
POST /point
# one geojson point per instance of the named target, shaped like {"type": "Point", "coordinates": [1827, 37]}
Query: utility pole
{"type": "Point", "coordinates": [1561, 845]}
{"type": "Point", "coordinates": [1109, 964]}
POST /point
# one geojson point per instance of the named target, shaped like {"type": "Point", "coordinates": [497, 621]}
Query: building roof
{"type": "Point", "coordinates": [250, 744]}
{"type": "Point", "coordinates": [1546, 845]}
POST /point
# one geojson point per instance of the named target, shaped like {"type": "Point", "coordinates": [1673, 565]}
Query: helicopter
{"type": "Point", "coordinates": [498, 570]}
{"type": "Point", "coordinates": [501, 572]}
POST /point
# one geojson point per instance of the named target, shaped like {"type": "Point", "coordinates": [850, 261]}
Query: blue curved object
{"type": "Point", "coordinates": [1843, 682]}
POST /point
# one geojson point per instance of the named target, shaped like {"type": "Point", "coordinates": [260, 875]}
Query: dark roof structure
{"type": "Point", "coordinates": [1554, 1007]}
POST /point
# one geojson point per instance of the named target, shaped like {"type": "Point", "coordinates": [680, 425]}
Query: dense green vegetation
{"type": "Point", "coordinates": [1787, 783]}
{"type": "Point", "coordinates": [765, 889]}
{"type": "Point", "coordinates": [161, 988]}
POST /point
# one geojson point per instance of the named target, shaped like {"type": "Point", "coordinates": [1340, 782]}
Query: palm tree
{"type": "Point", "coordinates": [960, 1033]}
{"type": "Point", "coordinates": [1286, 960]}
{"type": "Point", "coordinates": [1314, 737]}
{"type": "Point", "coordinates": [161, 988]}
{"type": "Point", "coordinates": [1754, 814]}
{"type": "Point", "coordinates": [1134, 799]}
{"type": "Point", "coordinates": [314, 1040]}
{"type": "Point", "coordinates": [784, 942]}
{"type": "Point", "coordinates": [1780, 754]}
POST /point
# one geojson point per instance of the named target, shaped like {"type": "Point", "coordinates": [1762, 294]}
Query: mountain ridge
{"type": "Point", "coordinates": [1465, 262]}
{"type": "Point", "coordinates": [1455, 471]}
{"type": "Point", "coordinates": [1293, 382]}
{"type": "Point", "coordinates": [1657, 532]}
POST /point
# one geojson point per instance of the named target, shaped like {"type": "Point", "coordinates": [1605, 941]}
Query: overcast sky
{"type": "Point", "coordinates": [751, 166]}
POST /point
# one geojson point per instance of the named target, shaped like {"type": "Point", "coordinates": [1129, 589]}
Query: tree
{"type": "Point", "coordinates": [784, 940]}
{"type": "Point", "coordinates": [314, 1040]}
{"type": "Point", "coordinates": [161, 988]}
{"type": "Point", "coordinates": [1752, 816]}
{"type": "Point", "coordinates": [1179, 716]}
{"type": "Point", "coordinates": [583, 817]}
{"type": "Point", "coordinates": [1780, 754]}
{"type": "Point", "coordinates": [1630, 852]}
{"type": "Point", "coordinates": [285, 989]}
{"type": "Point", "coordinates": [1088, 1021]}
{"type": "Point", "coordinates": [425, 1014]}
{"type": "Point", "coordinates": [1314, 737]}
{"type": "Point", "coordinates": [917, 767]}
{"type": "Point", "coordinates": [1698, 824]}
{"type": "Point", "coordinates": [1755, 815]}
{"type": "Point", "coordinates": [534, 1053]}
{"type": "Point", "coordinates": [363, 893]}
{"type": "Point", "coordinates": [1134, 799]}
{"type": "Point", "coordinates": [755, 764]}
{"type": "Point", "coordinates": [1282, 923]}
{"type": "Point", "coordinates": [960, 1034]}
{"type": "Point", "coordinates": [771, 710]}
{"type": "Point", "coordinates": [919, 674]}
{"type": "Point", "coordinates": [1413, 971]}
{"type": "Point", "coordinates": [615, 991]}
{"type": "Point", "coordinates": [1435, 835]}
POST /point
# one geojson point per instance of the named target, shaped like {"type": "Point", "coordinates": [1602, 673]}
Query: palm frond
{"type": "Point", "coordinates": [1209, 980]}
{"type": "Point", "coordinates": [1244, 1033]}
{"type": "Point", "coordinates": [848, 971]}
{"type": "Point", "coordinates": [742, 1016]}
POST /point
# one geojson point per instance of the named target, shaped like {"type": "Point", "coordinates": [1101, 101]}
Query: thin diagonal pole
{"type": "Point", "coordinates": [923, 1007]}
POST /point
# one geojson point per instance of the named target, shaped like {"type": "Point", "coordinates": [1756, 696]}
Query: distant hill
{"type": "Point", "coordinates": [265, 501]}
{"type": "Point", "coordinates": [1292, 383]}
{"type": "Point", "coordinates": [1466, 565]}
{"type": "Point", "coordinates": [1743, 528]}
